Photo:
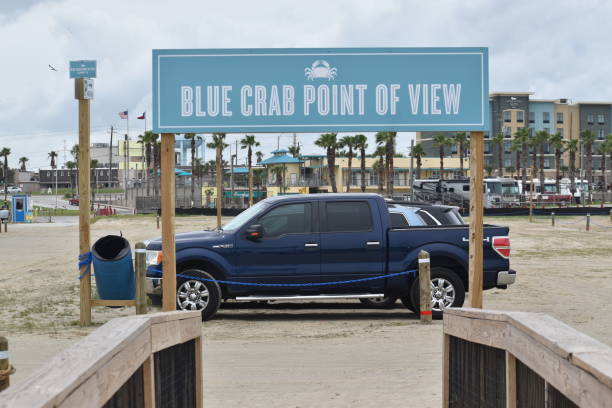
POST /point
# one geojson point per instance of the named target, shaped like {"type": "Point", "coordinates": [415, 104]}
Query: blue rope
{"type": "Point", "coordinates": [85, 261]}
{"type": "Point", "coordinates": [391, 275]}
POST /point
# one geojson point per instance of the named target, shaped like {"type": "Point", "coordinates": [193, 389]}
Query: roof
{"type": "Point", "coordinates": [238, 170]}
{"type": "Point", "coordinates": [281, 159]}
{"type": "Point", "coordinates": [280, 151]}
{"type": "Point", "coordinates": [313, 156]}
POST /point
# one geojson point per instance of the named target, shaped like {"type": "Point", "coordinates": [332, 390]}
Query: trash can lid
{"type": "Point", "coordinates": [111, 248]}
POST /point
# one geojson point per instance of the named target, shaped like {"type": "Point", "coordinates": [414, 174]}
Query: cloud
{"type": "Point", "coordinates": [556, 49]}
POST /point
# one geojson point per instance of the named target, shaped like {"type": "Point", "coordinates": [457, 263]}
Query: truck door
{"type": "Point", "coordinates": [352, 243]}
{"type": "Point", "coordinates": [288, 251]}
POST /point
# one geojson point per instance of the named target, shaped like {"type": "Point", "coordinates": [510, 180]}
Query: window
{"type": "Point", "coordinates": [487, 147]}
{"type": "Point", "coordinates": [600, 119]}
{"type": "Point", "coordinates": [560, 131]}
{"type": "Point", "coordinates": [428, 218]}
{"type": "Point", "coordinates": [398, 221]}
{"type": "Point", "coordinates": [507, 116]}
{"type": "Point", "coordinates": [520, 116]}
{"type": "Point", "coordinates": [48, 174]}
{"type": "Point", "coordinates": [590, 119]}
{"type": "Point", "coordinates": [531, 131]}
{"type": "Point", "coordinates": [507, 131]}
{"type": "Point", "coordinates": [546, 117]}
{"type": "Point", "coordinates": [531, 117]}
{"type": "Point", "coordinates": [507, 146]}
{"type": "Point", "coordinates": [547, 163]}
{"type": "Point", "coordinates": [559, 117]}
{"type": "Point", "coordinates": [466, 187]}
{"type": "Point", "coordinates": [507, 162]}
{"type": "Point", "coordinates": [600, 133]}
{"type": "Point", "coordinates": [286, 219]}
{"type": "Point", "coordinates": [348, 216]}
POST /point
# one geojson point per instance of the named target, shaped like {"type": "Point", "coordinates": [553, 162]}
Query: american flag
{"type": "Point", "coordinates": [123, 115]}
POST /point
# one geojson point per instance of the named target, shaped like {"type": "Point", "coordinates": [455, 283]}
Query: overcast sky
{"type": "Point", "coordinates": [557, 49]}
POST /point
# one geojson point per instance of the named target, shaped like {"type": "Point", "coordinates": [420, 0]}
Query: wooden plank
{"type": "Point", "coordinates": [199, 363]}
{"type": "Point", "coordinates": [219, 183]}
{"type": "Point", "coordinates": [167, 334]}
{"type": "Point", "coordinates": [84, 207]}
{"type": "Point", "coordinates": [597, 363]}
{"type": "Point", "coordinates": [149, 382]}
{"type": "Point", "coordinates": [424, 288]}
{"type": "Point", "coordinates": [485, 314]}
{"type": "Point", "coordinates": [488, 332]}
{"type": "Point", "coordinates": [167, 215]}
{"type": "Point", "coordinates": [510, 380]}
{"type": "Point", "coordinates": [476, 215]}
{"type": "Point", "coordinates": [100, 302]}
{"type": "Point", "coordinates": [141, 272]}
{"type": "Point", "coordinates": [161, 317]}
{"type": "Point", "coordinates": [102, 385]}
{"type": "Point", "coordinates": [445, 370]}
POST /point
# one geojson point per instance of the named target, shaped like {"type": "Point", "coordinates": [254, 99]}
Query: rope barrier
{"type": "Point", "coordinates": [345, 282]}
{"type": "Point", "coordinates": [599, 225]}
{"type": "Point", "coordinates": [85, 261]}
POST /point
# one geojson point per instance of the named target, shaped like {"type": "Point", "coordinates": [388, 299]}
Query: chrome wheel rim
{"type": "Point", "coordinates": [192, 295]}
{"type": "Point", "coordinates": [378, 300]}
{"type": "Point", "coordinates": [442, 294]}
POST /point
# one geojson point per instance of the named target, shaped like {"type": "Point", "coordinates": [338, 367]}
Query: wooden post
{"type": "Point", "coordinates": [84, 205]}
{"type": "Point", "coordinates": [445, 370]}
{"type": "Point", "coordinates": [424, 287]}
{"type": "Point", "coordinates": [199, 362]}
{"type": "Point", "coordinates": [476, 215]}
{"type": "Point", "coordinates": [219, 186]}
{"type": "Point", "coordinates": [552, 218]}
{"type": "Point", "coordinates": [149, 382]}
{"type": "Point", "coordinates": [588, 222]}
{"type": "Point", "coordinates": [167, 216]}
{"type": "Point", "coordinates": [141, 271]}
{"type": "Point", "coordinates": [157, 218]}
{"type": "Point", "coordinates": [510, 380]}
{"type": "Point", "coordinates": [5, 367]}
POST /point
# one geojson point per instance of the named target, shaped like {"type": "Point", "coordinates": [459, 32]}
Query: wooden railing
{"type": "Point", "coordinates": [517, 359]}
{"type": "Point", "coordinates": [136, 361]}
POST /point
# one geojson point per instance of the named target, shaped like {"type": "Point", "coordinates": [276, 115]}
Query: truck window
{"type": "Point", "coordinates": [348, 216]}
{"type": "Point", "coordinates": [398, 220]}
{"type": "Point", "coordinates": [287, 219]}
{"type": "Point", "coordinates": [428, 218]}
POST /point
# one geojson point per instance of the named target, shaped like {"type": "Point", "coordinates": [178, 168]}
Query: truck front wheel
{"type": "Point", "coordinates": [198, 294]}
{"type": "Point", "coordinates": [447, 290]}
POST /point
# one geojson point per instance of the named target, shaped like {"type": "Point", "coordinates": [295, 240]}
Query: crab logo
{"type": "Point", "coordinates": [320, 69]}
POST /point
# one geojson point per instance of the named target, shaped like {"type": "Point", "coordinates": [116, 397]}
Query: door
{"type": "Point", "coordinates": [352, 244]}
{"type": "Point", "coordinates": [288, 252]}
{"type": "Point", "coordinates": [20, 209]}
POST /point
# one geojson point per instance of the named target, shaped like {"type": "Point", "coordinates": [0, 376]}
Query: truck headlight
{"type": "Point", "coordinates": [154, 257]}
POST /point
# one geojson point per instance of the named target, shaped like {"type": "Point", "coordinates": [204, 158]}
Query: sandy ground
{"type": "Point", "coordinates": [301, 355]}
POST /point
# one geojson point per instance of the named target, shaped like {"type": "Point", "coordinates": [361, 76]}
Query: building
{"type": "Point", "coordinates": [183, 148]}
{"type": "Point", "coordinates": [69, 178]}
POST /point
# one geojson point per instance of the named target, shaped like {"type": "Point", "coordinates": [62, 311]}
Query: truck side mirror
{"type": "Point", "coordinates": [254, 232]}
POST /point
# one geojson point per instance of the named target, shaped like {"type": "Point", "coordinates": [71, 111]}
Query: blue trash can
{"type": "Point", "coordinates": [114, 271]}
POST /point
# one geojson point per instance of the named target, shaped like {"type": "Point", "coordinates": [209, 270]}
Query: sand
{"type": "Point", "coordinates": [331, 354]}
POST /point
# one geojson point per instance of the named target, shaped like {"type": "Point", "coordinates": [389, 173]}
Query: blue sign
{"type": "Point", "coordinates": [82, 69]}
{"type": "Point", "coordinates": [320, 90]}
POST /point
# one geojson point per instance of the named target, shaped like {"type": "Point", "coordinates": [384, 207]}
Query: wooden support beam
{"type": "Point", "coordinates": [219, 183]}
{"type": "Point", "coordinates": [141, 271]}
{"type": "Point", "coordinates": [167, 215]}
{"type": "Point", "coordinates": [84, 206]}
{"type": "Point", "coordinates": [199, 362]}
{"type": "Point", "coordinates": [476, 215]}
{"type": "Point", "coordinates": [149, 382]}
{"type": "Point", "coordinates": [510, 380]}
{"type": "Point", "coordinates": [445, 370]}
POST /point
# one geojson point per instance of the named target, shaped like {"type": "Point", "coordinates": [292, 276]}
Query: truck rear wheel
{"type": "Point", "coordinates": [447, 290]}
{"type": "Point", "coordinates": [196, 294]}
{"type": "Point", "coordinates": [380, 302]}
{"type": "Point", "coordinates": [407, 301]}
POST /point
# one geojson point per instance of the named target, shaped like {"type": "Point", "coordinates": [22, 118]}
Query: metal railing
{"type": "Point", "coordinates": [519, 359]}
{"type": "Point", "coordinates": [145, 360]}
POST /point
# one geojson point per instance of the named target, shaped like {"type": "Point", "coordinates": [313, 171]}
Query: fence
{"type": "Point", "coordinates": [518, 359]}
{"type": "Point", "coordinates": [136, 361]}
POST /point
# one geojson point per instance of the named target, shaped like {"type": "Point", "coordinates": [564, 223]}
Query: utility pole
{"type": "Point", "coordinates": [125, 175]}
{"type": "Point", "coordinates": [110, 160]}
{"type": "Point", "coordinates": [232, 173]}
{"type": "Point", "coordinates": [411, 170]}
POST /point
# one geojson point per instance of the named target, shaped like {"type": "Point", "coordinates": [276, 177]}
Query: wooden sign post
{"type": "Point", "coordinates": [476, 215]}
{"type": "Point", "coordinates": [84, 203]}
{"type": "Point", "coordinates": [167, 215]}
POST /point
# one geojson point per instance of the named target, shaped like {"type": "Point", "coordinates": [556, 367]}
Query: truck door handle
{"type": "Point", "coordinates": [487, 239]}
{"type": "Point", "coordinates": [311, 245]}
{"type": "Point", "coordinates": [372, 243]}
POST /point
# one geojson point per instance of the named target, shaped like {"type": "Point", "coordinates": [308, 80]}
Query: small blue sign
{"type": "Point", "coordinates": [83, 69]}
{"type": "Point", "coordinates": [320, 90]}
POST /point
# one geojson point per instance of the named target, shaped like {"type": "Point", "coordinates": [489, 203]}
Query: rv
{"type": "Point", "coordinates": [498, 191]}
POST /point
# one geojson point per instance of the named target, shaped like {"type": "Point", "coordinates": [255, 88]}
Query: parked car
{"type": "Point", "coordinates": [14, 189]}
{"type": "Point", "coordinates": [320, 238]}
{"type": "Point", "coordinates": [73, 201]}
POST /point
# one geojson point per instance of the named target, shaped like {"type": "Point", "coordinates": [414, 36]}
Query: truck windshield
{"type": "Point", "coordinates": [493, 187]}
{"type": "Point", "coordinates": [244, 216]}
{"type": "Point", "coordinates": [510, 188]}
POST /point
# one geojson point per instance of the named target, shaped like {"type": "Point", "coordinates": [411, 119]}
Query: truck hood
{"type": "Point", "coordinates": [201, 239]}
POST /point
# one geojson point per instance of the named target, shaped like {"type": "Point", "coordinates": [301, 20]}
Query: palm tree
{"type": "Point", "coordinates": [248, 143]}
{"type": "Point", "coordinates": [517, 149]}
{"type": "Point", "coordinates": [498, 140]}
{"type": "Point", "coordinates": [279, 173]}
{"type": "Point", "coordinates": [22, 161]}
{"type": "Point", "coordinates": [461, 139]}
{"type": "Point", "coordinates": [441, 141]}
{"type": "Point", "coordinates": [533, 146]}
{"type": "Point", "coordinates": [556, 142]}
{"type": "Point", "coordinates": [70, 165]}
{"type": "Point", "coordinates": [294, 151]}
{"type": "Point", "coordinates": [489, 169]}
{"type": "Point", "coordinates": [418, 152]}
{"type": "Point", "coordinates": [259, 156]}
{"type": "Point", "coordinates": [380, 167]}
{"type": "Point", "coordinates": [74, 151]}
{"type": "Point", "coordinates": [522, 137]}
{"type": "Point", "coordinates": [572, 146]}
{"type": "Point", "coordinates": [350, 143]}
{"type": "Point", "coordinates": [192, 137]}
{"type": "Point", "coordinates": [259, 176]}
{"type": "Point", "coordinates": [148, 140]}
{"type": "Point", "coordinates": [5, 152]}
{"type": "Point", "coordinates": [329, 142]}
{"type": "Point", "coordinates": [218, 143]}
{"type": "Point", "coordinates": [588, 138]}
{"type": "Point", "coordinates": [156, 147]}
{"type": "Point", "coordinates": [603, 150]}
{"type": "Point", "coordinates": [564, 170]}
{"type": "Point", "coordinates": [52, 155]}
{"type": "Point", "coordinates": [541, 139]}
{"type": "Point", "coordinates": [388, 140]}
{"type": "Point", "coordinates": [361, 143]}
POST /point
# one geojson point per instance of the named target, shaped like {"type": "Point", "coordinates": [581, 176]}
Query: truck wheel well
{"type": "Point", "coordinates": [205, 266]}
{"type": "Point", "coordinates": [453, 265]}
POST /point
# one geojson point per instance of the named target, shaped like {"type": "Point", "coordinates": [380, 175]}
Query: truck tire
{"type": "Point", "coordinates": [195, 294]}
{"type": "Point", "coordinates": [449, 291]}
{"type": "Point", "coordinates": [379, 302]}
{"type": "Point", "coordinates": [407, 301]}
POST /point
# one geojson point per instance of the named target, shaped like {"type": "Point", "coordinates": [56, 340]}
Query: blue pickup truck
{"type": "Point", "coordinates": [312, 239]}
